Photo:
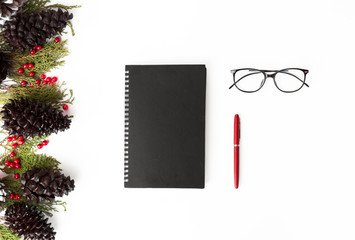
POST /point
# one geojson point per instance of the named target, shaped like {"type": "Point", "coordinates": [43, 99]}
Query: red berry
{"type": "Point", "coordinates": [17, 176]}
{"type": "Point", "coordinates": [17, 197]}
{"type": "Point", "coordinates": [21, 142]}
{"type": "Point", "coordinates": [45, 142]}
{"type": "Point", "coordinates": [12, 164]}
{"type": "Point", "coordinates": [44, 82]}
{"type": "Point", "coordinates": [39, 146]}
{"type": "Point", "coordinates": [31, 85]}
{"type": "Point", "coordinates": [34, 47]}
{"type": "Point", "coordinates": [38, 81]}
{"type": "Point", "coordinates": [14, 146]}
{"type": "Point", "coordinates": [14, 138]}
{"type": "Point", "coordinates": [23, 83]}
{"type": "Point", "coordinates": [20, 138]}
{"type": "Point", "coordinates": [57, 39]}
{"type": "Point", "coordinates": [12, 196]}
{"type": "Point", "coordinates": [17, 166]}
{"type": "Point", "coordinates": [33, 52]}
{"type": "Point", "coordinates": [7, 163]}
{"type": "Point", "coordinates": [31, 74]}
{"type": "Point", "coordinates": [25, 65]}
{"type": "Point", "coordinates": [20, 70]}
{"type": "Point", "coordinates": [39, 47]}
{"type": "Point", "coordinates": [43, 76]}
{"type": "Point", "coordinates": [30, 65]}
{"type": "Point", "coordinates": [65, 107]}
{"type": "Point", "coordinates": [12, 154]}
{"type": "Point", "coordinates": [54, 79]}
{"type": "Point", "coordinates": [9, 139]}
{"type": "Point", "coordinates": [49, 79]}
{"type": "Point", "coordinates": [16, 161]}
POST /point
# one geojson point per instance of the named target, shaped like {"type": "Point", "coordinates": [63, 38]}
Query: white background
{"type": "Point", "coordinates": [297, 150]}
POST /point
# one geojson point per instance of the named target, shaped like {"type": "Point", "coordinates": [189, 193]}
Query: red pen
{"type": "Point", "coordinates": [236, 149]}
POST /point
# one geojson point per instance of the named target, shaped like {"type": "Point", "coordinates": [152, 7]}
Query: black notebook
{"type": "Point", "coordinates": [165, 126]}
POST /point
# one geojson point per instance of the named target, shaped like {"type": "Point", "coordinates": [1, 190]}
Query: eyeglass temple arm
{"type": "Point", "coordinates": [241, 79]}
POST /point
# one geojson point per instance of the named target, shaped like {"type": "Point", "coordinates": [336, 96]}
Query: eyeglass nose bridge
{"type": "Point", "coordinates": [271, 75]}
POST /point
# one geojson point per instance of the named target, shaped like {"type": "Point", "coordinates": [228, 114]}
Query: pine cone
{"type": "Point", "coordinates": [2, 192]}
{"type": "Point", "coordinates": [24, 31]}
{"type": "Point", "coordinates": [45, 184]}
{"type": "Point", "coordinates": [32, 118]}
{"type": "Point", "coordinates": [7, 9]}
{"type": "Point", "coordinates": [4, 66]}
{"type": "Point", "coordinates": [27, 221]}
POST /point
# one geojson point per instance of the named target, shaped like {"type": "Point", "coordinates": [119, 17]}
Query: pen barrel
{"type": "Point", "coordinates": [236, 166]}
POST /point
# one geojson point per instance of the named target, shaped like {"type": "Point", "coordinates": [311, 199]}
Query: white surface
{"type": "Point", "coordinates": [297, 150]}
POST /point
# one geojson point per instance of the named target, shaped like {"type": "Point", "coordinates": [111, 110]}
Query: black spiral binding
{"type": "Point", "coordinates": [126, 127]}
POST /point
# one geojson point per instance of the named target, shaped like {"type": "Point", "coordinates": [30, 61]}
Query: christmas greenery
{"type": "Point", "coordinates": [31, 6]}
{"type": "Point", "coordinates": [7, 234]}
{"type": "Point", "coordinates": [55, 95]}
{"type": "Point", "coordinates": [31, 47]}
{"type": "Point", "coordinates": [13, 186]}
{"type": "Point", "coordinates": [49, 57]}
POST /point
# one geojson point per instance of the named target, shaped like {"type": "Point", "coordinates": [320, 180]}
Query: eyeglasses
{"type": "Point", "coordinates": [287, 80]}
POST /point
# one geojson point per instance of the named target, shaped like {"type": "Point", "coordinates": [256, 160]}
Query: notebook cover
{"type": "Point", "coordinates": [165, 126]}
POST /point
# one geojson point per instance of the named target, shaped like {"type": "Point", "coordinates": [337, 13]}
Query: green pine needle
{"type": "Point", "coordinates": [7, 234]}
{"type": "Point", "coordinates": [44, 61]}
{"type": "Point", "coordinates": [41, 161]}
{"type": "Point", "coordinates": [38, 5]}
{"type": "Point", "coordinates": [31, 6]}
{"type": "Point", "coordinates": [55, 96]}
{"type": "Point", "coordinates": [12, 185]}
{"type": "Point", "coordinates": [26, 154]}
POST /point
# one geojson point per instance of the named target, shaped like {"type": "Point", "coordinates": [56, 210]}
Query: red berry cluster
{"type": "Point", "coordinates": [44, 143]}
{"type": "Point", "coordinates": [15, 164]}
{"type": "Point", "coordinates": [20, 141]}
{"type": "Point", "coordinates": [26, 66]}
{"type": "Point", "coordinates": [21, 70]}
{"type": "Point", "coordinates": [47, 80]}
{"type": "Point", "coordinates": [16, 197]}
{"type": "Point", "coordinates": [39, 47]}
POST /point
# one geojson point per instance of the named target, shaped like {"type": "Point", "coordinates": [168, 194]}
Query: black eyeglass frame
{"type": "Point", "coordinates": [267, 75]}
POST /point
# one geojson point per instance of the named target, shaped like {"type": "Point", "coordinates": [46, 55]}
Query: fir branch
{"type": "Point", "coordinates": [44, 61]}
{"type": "Point", "coordinates": [39, 5]}
{"type": "Point", "coordinates": [49, 207]}
{"type": "Point", "coordinates": [55, 95]}
{"type": "Point", "coordinates": [7, 234]}
{"type": "Point", "coordinates": [31, 6]}
{"type": "Point", "coordinates": [30, 145]}
{"type": "Point", "coordinates": [40, 161]}
{"type": "Point", "coordinates": [71, 28]}
{"type": "Point", "coordinates": [46, 207]}
{"type": "Point", "coordinates": [11, 185]}
{"type": "Point", "coordinates": [63, 6]}
{"type": "Point", "coordinates": [28, 158]}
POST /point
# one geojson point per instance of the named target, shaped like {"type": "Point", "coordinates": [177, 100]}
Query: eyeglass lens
{"type": "Point", "coordinates": [289, 80]}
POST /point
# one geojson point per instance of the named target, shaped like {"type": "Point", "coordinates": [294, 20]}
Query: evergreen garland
{"type": "Point", "coordinates": [25, 78]}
